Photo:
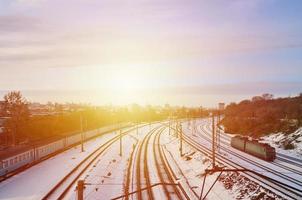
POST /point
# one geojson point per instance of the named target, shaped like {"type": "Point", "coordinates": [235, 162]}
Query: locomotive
{"type": "Point", "coordinates": [253, 147]}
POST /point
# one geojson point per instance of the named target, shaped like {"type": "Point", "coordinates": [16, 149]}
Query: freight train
{"type": "Point", "coordinates": [253, 147]}
{"type": "Point", "coordinates": [35, 154]}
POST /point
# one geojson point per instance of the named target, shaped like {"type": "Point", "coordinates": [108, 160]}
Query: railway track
{"type": "Point", "coordinates": [60, 190]}
{"type": "Point", "coordinates": [165, 171]}
{"type": "Point", "coordinates": [280, 156]}
{"type": "Point", "coordinates": [139, 166]}
{"type": "Point", "coordinates": [289, 160]}
{"type": "Point", "coordinates": [296, 160]}
{"type": "Point", "coordinates": [275, 185]}
{"type": "Point", "coordinates": [254, 162]}
{"type": "Point", "coordinates": [42, 159]}
{"type": "Point", "coordinates": [142, 171]}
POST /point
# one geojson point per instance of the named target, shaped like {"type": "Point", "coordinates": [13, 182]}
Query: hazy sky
{"type": "Point", "coordinates": [180, 52]}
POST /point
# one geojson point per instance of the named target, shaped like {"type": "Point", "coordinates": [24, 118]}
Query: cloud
{"type": "Point", "coordinates": [132, 32]}
{"type": "Point", "coordinates": [18, 23]}
{"type": "Point", "coordinates": [29, 2]}
{"type": "Point", "coordinates": [242, 88]}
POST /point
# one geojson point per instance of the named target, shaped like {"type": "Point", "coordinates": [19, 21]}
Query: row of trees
{"type": "Point", "coordinates": [15, 108]}
{"type": "Point", "coordinates": [264, 114]}
{"type": "Point", "coordinates": [21, 126]}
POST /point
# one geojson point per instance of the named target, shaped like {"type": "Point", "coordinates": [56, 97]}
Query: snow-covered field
{"type": "Point", "coordinates": [279, 170]}
{"type": "Point", "coordinates": [289, 144]}
{"type": "Point", "coordinates": [190, 170]}
{"type": "Point", "coordinates": [112, 175]}
{"type": "Point", "coordinates": [36, 181]}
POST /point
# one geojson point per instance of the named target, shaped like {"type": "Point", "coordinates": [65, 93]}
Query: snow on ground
{"type": "Point", "coordinates": [190, 170]}
{"type": "Point", "coordinates": [36, 181]}
{"type": "Point", "coordinates": [158, 191]}
{"type": "Point", "coordinates": [243, 188]}
{"type": "Point", "coordinates": [108, 175]}
{"type": "Point", "coordinates": [238, 185]}
{"type": "Point", "coordinates": [288, 159]}
{"type": "Point", "coordinates": [289, 144]}
{"type": "Point", "coordinates": [105, 176]}
{"type": "Point", "coordinates": [290, 169]}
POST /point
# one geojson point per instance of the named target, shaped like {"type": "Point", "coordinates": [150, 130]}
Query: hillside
{"type": "Point", "coordinates": [263, 115]}
{"type": "Point", "coordinates": [290, 144]}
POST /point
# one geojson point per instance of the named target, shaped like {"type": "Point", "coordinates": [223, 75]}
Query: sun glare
{"type": "Point", "coordinates": [122, 85]}
{"type": "Point", "coordinates": [122, 81]}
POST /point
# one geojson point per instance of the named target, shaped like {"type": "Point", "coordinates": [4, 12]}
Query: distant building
{"type": "Point", "coordinates": [221, 106]}
{"type": "Point", "coordinates": [38, 109]}
{"type": "Point", "coordinates": [35, 106]}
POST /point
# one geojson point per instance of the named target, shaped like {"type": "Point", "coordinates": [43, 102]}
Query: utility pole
{"type": "Point", "coordinates": [136, 127]}
{"type": "Point", "coordinates": [192, 126]}
{"type": "Point", "coordinates": [213, 140]}
{"type": "Point", "coordinates": [218, 131]}
{"type": "Point", "coordinates": [149, 121]}
{"type": "Point", "coordinates": [180, 129]}
{"type": "Point", "coordinates": [195, 130]}
{"type": "Point", "coordinates": [169, 126]}
{"type": "Point", "coordinates": [80, 189]}
{"type": "Point", "coordinates": [86, 124]}
{"type": "Point", "coordinates": [177, 129]}
{"type": "Point", "coordinates": [82, 136]}
{"type": "Point", "coordinates": [121, 147]}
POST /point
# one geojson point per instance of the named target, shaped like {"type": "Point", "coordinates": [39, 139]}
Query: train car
{"type": "Point", "coordinates": [253, 147]}
{"type": "Point", "coordinates": [15, 162]}
{"type": "Point", "coordinates": [238, 142]}
{"type": "Point", "coordinates": [30, 155]}
{"type": "Point", "coordinates": [91, 134]}
{"type": "Point", "coordinates": [45, 150]}
{"type": "Point", "coordinates": [106, 129]}
{"type": "Point", "coordinates": [263, 151]}
{"type": "Point", "coordinates": [71, 140]}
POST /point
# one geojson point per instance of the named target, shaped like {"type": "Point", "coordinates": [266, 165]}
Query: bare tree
{"type": "Point", "coordinates": [267, 96]}
{"type": "Point", "coordinates": [16, 108]}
